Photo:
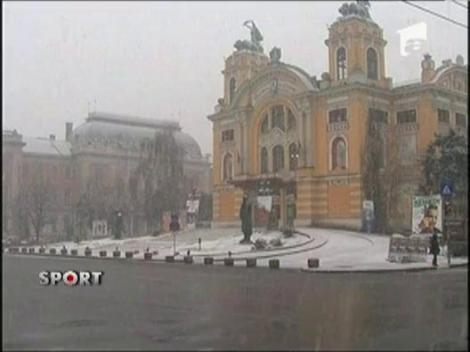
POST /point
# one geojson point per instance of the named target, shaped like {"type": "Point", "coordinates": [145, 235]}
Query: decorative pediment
{"type": "Point", "coordinates": [453, 78]}
{"type": "Point", "coordinates": [278, 80]}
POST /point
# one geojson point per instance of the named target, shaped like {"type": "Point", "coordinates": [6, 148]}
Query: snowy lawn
{"type": "Point", "coordinates": [336, 249]}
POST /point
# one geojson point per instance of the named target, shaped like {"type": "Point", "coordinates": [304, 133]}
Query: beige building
{"type": "Point", "coordinates": [279, 130]}
{"type": "Point", "coordinates": [106, 148]}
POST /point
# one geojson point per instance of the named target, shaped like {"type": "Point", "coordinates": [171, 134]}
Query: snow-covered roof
{"type": "Point", "coordinates": [131, 120]}
{"type": "Point", "coordinates": [46, 146]}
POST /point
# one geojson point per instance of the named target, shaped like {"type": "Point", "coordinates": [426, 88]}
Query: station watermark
{"type": "Point", "coordinates": [413, 38]}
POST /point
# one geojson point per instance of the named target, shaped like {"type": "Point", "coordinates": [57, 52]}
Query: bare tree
{"type": "Point", "coordinates": [381, 172]}
{"type": "Point", "coordinates": [157, 184]}
{"type": "Point", "coordinates": [39, 200]}
{"type": "Point", "coordinates": [20, 217]}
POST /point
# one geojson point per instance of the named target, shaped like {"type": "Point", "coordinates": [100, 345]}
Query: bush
{"type": "Point", "coordinates": [276, 242]}
{"type": "Point", "coordinates": [260, 243]}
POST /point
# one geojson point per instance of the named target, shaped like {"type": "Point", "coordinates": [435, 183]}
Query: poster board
{"type": "Point", "coordinates": [404, 249]}
{"type": "Point", "coordinates": [427, 214]}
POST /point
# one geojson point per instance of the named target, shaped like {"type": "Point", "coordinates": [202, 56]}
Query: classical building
{"type": "Point", "coordinates": [106, 148]}
{"type": "Point", "coordinates": [280, 131]}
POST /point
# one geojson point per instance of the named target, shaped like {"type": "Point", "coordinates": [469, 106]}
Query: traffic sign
{"type": "Point", "coordinates": [447, 188]}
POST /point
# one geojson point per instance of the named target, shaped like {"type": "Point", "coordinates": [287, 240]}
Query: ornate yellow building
{"type": "Point", "coordinates": [277, 130]}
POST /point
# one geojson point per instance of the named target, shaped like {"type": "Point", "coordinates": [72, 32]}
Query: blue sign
{"type": "Point", "coordinates": [447, 188]}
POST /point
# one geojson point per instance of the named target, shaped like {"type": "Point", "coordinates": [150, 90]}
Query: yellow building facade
{"type": "Point", "coordinates": [279, 131]}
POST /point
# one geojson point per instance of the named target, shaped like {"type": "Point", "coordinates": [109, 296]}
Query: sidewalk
{"type": "Point", "coordinates": [337, 250]}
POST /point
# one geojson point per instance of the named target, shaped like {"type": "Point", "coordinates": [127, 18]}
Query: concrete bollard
{"type": "Point", "coordinates": [169, 259]}
{"type": "Point", "coordinates": [63, 251]}
{"type": "Point", "coordinates": [208, 260]}
{"type": "Point", "coordinates": [274, 263]}
{"type": "Point", "coordinates": [251, 262]}
{"type": "Point", "coordinates": [116, 254]}
{"type": "Point", "coordinates": [188, 259]}
{"type": "Point", "coordinates": [313, 262]}
{"type": "Point", "coordinates": [42, 250]}
{"type": "Point", "coordinates": [88, 252]}
{"type": "Point", "coordinates": [52, 251]}
{"type": "Point", "coordinates": [31, 250]}
{"type": "Point", "coordinates": [228, 261]}
{"type": "Point", "coordinates": [24, 250]}
{"type": "Point", "coordinates": [148, 256]}
{"type": "Point", "coordinates": [129, 255]}
{"type": "Point", "coordinates": [73, 252]}
{"type": "Point", "coordinates": [103, 253]}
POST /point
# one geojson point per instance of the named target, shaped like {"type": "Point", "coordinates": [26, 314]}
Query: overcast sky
{"type": "Point", "coordinates": [164, 60]}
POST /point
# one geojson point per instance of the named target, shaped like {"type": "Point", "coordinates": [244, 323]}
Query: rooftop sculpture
{"type": "Point", "coordinates": [256, 38]}
{"type": "Point", "coordinates": [360, 9]}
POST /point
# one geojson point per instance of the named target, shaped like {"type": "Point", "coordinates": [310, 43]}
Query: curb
{"type": "Point", "coordinates": [277, 255]}
{"type": "Point", "coordinates": [355, 271]}
{"type": "Point", "coordinates": [218, 254]}
{"type": "Point", "coordinates": [306, 270]}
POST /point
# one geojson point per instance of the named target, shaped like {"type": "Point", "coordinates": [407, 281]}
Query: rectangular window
{"type": "Point", "coordinates": [407, 149]}
{"type": "Point", "coordinates": [227, 135]}
{"type": "Point", "coordinates": [443, 116]}
{"type": "Point", "coordinates": [337, 115]}
{"type": "Point", "coordinates": [378, 116]}
{"type": "Point", "coordinates": [67, 197]}
{"type": "Point", "coordinates": [460, 120]}
{"type": "Point", "coordinates": [407, 116]}
{"type": "Point", "coordinates": [68, 173]}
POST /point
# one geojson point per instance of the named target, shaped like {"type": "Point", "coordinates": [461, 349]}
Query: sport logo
{"type": "Point", "coordinates": [71, 278]}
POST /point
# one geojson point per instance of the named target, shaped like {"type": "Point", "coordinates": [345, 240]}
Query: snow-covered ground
{"type": "Point", "coordinates": [210, 245]}
{"type": "Point", "coordinates": [337, 250]}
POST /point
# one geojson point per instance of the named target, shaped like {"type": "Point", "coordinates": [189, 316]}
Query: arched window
{"type": "Point", "coordinates": [232, 87]}
{"type": "Point", "coordinates": [265, 125]}
{"type": "Point", "coordinates": [264, 160]}
{"type": "Point", "coordinates": [278, 158]}
{"type": "Point", "coordinates": [277, 114]}
{"type": "Point", "coordinates": [338, 153]}
{"type": "Point", "coordinates": [290, 120]}
{"type": "Point", "coordinates": [228, 167]}
{"type": "Point", "coordinates": [293, 156]}
{"type": "Point", "coordinates": [372, 64]}
{"type": "Point", "coordinates": [341, 69]}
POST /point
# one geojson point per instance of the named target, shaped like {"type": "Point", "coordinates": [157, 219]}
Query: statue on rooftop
{"type": "Point", "coordinates": [360, 8]}
{"type": "Point", "coordinates": [256, 38]}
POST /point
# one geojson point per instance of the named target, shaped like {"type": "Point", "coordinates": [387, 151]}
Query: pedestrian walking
{"type": "Point", "coordinates": [199, 241]}
{"type": "Point", "coordinates": [434, 248]}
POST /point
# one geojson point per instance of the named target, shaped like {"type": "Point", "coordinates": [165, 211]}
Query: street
{"type": "Point", "coordinates": [176, 306]}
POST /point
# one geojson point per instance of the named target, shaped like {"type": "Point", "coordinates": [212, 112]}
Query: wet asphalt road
{"type": "Point", "coordinates": [149, 306]}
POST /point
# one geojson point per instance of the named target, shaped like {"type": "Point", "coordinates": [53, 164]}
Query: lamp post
{"type": "Point", "coordinates": [294, 155]}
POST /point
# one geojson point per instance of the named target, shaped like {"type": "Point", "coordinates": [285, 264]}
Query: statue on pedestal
{"type": "Point", "coordinates": [245, 217]}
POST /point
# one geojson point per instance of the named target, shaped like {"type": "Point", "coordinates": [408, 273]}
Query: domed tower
{"type": "Point", "coordinates": [244, 63]}
{"type": "Point", "coordinates": [356, 47]}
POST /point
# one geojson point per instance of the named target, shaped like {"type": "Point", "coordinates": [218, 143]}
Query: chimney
{"type": "Point", "coordinates": [68, 131]}
{"type": "Point", "coordinates": [52, 137]}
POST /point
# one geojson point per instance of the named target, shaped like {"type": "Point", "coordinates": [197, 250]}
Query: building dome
{"type": "Point", "coordinates": [106, 126]}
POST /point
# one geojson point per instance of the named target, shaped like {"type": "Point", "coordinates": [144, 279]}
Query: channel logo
{"type": "Point", "coordinates": [71, 278]}
{"type": "Point", "coordinates": [412, 38]}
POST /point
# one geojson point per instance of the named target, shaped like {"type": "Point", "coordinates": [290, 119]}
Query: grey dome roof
{"type": "Point", "coordinates": [129, 127]}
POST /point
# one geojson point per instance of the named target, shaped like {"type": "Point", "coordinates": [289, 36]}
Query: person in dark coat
{"type": "Point", "coordinates": [435, 250]}
{"type": "Point", "coordinates": [245, 217]}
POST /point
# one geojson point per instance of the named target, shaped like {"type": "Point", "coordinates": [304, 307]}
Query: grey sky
{"type": "Point", "coordinates": [164, 60]}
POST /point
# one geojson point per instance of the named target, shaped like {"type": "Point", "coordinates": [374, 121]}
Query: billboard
{"type": "Point", "coordinates": [427, 214]}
